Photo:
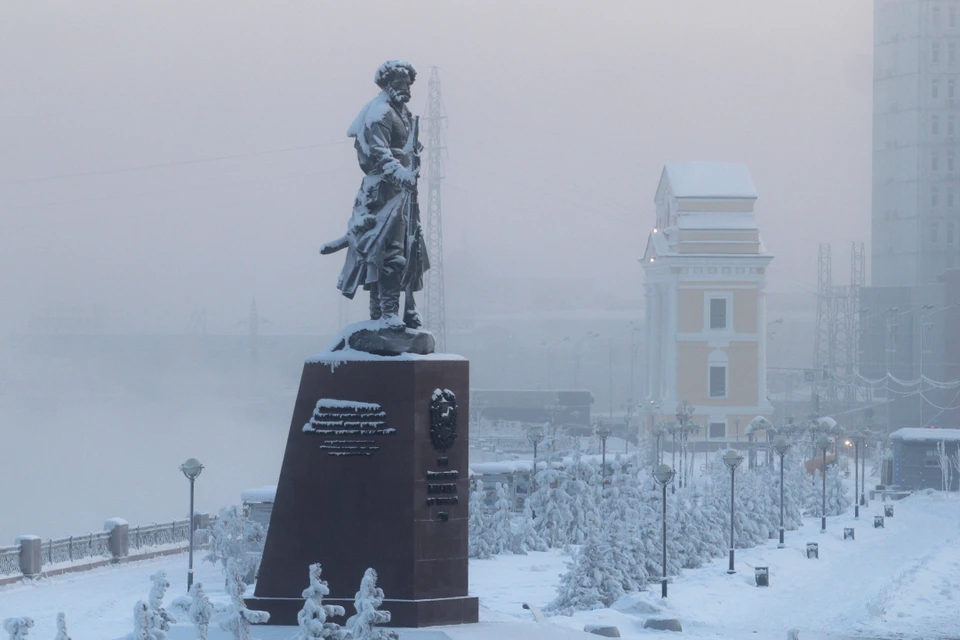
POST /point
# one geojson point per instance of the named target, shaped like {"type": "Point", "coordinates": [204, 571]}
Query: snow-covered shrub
{"type": "Point", "coordinates": [62, 627]}
{"type": "Point", "coordinates": [594, 579]}
{"type": "Point", "coordinates": [481, 539]}
{"type": "Point", "coordinates": [838, 495]}
{"type": "Point", "coordinates": [18, 628]}
{"type": "Point", "coordinates": [526, 533]}
{"type": "Point", "coordinates": [200, 611]}
{"type": "Point", "coordinates": [239, 619]}
{"type": "Point", "coordinates": [363, 625]}
{"type": "Point", "coordinates": [234, 536]}
{"type": "Point", "coordinates": [501, 522]}
{"type": "Point", "coordinates": [313, 617]}
{"type": "Point", "coordinates": [142, 624]}
{"type": "Point", "coordinates": [582, 485]}
{"type": "Point", "coordinates": [159, 617]}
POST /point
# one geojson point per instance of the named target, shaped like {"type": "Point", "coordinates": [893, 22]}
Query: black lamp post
{"type": "Point", "coordinates": [603, 433]}
{"type": "Point", "coordinates": [857, 437]}
{"type": "Point", "coordinates": [732, 459]}
{"type": "Point", "coordinates": [781, 446]}
{"type": "Point", "coordinates": [663, 474]}
{"type": "Point", "coordinates": [535, 437]}
{"type": "Point", "coordinates": [823, 443]}
{"type": "Point", "coordinates": [191, 469]}
{"type": "Point", "coordinates": [657, 432]}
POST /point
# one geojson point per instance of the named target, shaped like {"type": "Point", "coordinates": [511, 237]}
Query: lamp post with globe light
{"type": "Point", "coordinates": [663, 474]}
{"type": "Point", "coordinates": [732, 459]}
{"type": "Point", "coordinates": [191, 469]}
{"type": "Point", "coordinates": [857, 438]}
{"type": "Point", "coordinates": [823, 443]}
{"type": "Point", "coordinates": [781, 446]}
{"type": "Point", "coordinates": [535, 436]}
{"type": "Point", "coordinates": [603, 433]}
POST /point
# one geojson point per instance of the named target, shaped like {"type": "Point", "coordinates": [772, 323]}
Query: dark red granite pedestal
{"type": "Point", "coordinates": [364, 485]}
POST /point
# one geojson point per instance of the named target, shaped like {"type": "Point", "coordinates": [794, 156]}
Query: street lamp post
{"type": "Point", "coordinates": [663, 475]}
{"type": "Point", "coordinates": [535, 437]}
{"type": "Point", "coordinates": [857, 437]}
{"type": "Point", "coordinates": [603, 433]}
{"type": "Point", "coordinates": [657, 432]}
{"type": "Point", "coordinates": [191, 469]}
{"type": "Point", "coordinates": [781, 446]}
{"type": "Point", "coordinates": [823, 444]}
{"type": "Point", "coordinates": [732, 459]}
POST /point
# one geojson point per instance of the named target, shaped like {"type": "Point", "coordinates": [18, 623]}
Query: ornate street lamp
{"type": "Point", "coordinates": [535, 436]}
{"type": "Point", "coordinates": [657, 432]}
{"type": "Point", "coordinates": [823, 443]}
{"type": "Point", "coordinates": [603, 433]}
{"type": "Point", "coordinates": [857, 438]}
{"type": "Point", "coordinates": [663, 474]}
{"type": "Point", "coordinates": [191, 469]}
{"type": "Point", "coordinates": [781, 447]}
{"type": "Point", "coordinates": [732, 459]}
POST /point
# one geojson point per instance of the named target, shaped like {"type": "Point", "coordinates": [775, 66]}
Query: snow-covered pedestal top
{"type": "Point", "coordinates": [341, 351]}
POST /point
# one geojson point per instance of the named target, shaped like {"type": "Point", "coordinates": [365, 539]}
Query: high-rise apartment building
{"type": "Point", "coordinates": [916, 141]}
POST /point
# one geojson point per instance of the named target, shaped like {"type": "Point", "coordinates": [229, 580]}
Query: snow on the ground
{"type": "Point", "coordinates": [902, 581]}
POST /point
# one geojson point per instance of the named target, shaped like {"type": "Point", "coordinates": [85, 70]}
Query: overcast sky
{"type": "Point", "coordinates": [561, 115]}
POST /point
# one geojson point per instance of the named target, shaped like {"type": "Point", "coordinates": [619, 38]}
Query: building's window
{"type": "Point", "coordinates": [935, 88]}
{"type": "Point", "coordinates": [934, 161]}
{"type": "Point", "coordinates": [953, 17]}
{"type": "Point", "coordinates": [952, 53]}
{"type": "Point", "coordinates": [934, 227]}
{"type": "Point", "coordinates": [951, 198]}
{"type": "Point", "coordinates": [950, 162]}
{"type": "Point", "coordinates": [934, 125]}
{"type": "Point", "coordinates": [934, 196]}
{"type": "Point", "coordinates": [718, 430]}
{"type": "Point", "coordinates": [951, 125]}
{"type": "Point", "coordinates": [936, 16]}
{"type": "Point", "coordinates": [949, 233]}
{"type": "Point", "coordinates": [718, 313]}
{"type": "Point", "coordinates": [935, 53]}
{"type": "Point", "coordinates": [718, 381]}
{"type": "Point", "coordinates": [951, 88]}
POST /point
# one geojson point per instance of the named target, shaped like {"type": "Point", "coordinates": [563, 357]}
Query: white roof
{"type": "Point", "coordinates": [710, 180]}
{"type": "Point", "coordinates": [933, 435]}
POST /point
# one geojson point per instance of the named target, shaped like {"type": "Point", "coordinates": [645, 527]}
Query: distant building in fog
{"type": "Point", "coordinates": [705, 268]}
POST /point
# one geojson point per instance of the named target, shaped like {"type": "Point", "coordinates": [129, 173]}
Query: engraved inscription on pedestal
{"type": "Point", "coordinates": [347, 418]}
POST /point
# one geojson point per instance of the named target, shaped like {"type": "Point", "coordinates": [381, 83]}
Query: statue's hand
{"type": "Point", "coordinates": [406, 178]}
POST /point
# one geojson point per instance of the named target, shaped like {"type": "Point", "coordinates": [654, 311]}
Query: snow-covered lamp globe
{"type": "Point", "coordinates": [191, 469]}
{"type": "Point", "coordinates": [603, 432]}
{"type": "Point", "coordinates": [663, 474]}
{"type": "Point", "coordinates": [732, 459]}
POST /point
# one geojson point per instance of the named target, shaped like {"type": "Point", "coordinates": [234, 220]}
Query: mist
{"type": "Point", "coordinates": [165, 164]}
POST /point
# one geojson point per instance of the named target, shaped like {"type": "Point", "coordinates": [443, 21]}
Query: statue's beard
{"type": "Point", "coordinates": [398, 95]}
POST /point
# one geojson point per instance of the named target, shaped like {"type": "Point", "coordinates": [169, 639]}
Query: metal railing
{"type": "Point", "coordinates": [73, 548]}
{"type": "Point", "coordinates": [156, 535]}
{"type": "Point", "coordinates": [9, 560]}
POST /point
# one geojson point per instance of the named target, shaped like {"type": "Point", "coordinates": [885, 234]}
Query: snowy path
{"type": "Point", "coordinates": [902, 581]}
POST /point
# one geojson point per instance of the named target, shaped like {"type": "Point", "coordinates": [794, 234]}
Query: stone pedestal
{"type": "Point", "coordinates": [365, 482]}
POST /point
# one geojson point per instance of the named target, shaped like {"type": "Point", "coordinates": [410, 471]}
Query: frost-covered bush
{"type": "Point", "coordinates": [481, 539]}
{"type": "Point", "coordinates": [501, 523]}
{"type": "Point", "coordinates": [313, 617]}
{"type": "Point", "coordinates": [594, 579]}
{"type": "Point", "coordinates": [239, 619]}
{"type": "Point", "coordinates": [62, 627]}
{"type": "Point", "coordinates": [234, 536]}
{"type": "Point", "coordinates": [143, 628]}
{"type": "Point", "coordinates": [551, 506]}
{"type": "Point", "coordinates": [18, 628]}
{"type": "Point", "coordinates": [200, 611]}
{"type": "Point", "coordinates": [838, 492]}
{"type": "Point", "coordinates": [159, 617]}
{"type": "Point", "coordinates": [581, 483]}
{"type": "Point", "coordinates": [526, 533]}
{"type": "Point", "coordinates": [364, 624]}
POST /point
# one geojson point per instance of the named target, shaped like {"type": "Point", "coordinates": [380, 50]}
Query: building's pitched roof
{"type": "Point", "coordinates": [709, 180]}
{"type": "Point", "coordinates": [933, 435]}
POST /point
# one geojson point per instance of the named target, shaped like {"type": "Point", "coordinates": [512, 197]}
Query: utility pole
{"type": "Point", "coordinates": [435, 314]}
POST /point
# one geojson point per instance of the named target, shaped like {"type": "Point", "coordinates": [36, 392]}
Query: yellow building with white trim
{"type": "Point", "coordinates": [705, 271]}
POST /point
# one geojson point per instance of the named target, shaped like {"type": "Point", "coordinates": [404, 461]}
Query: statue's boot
{"type": "Point", "coordinates": [390, 300]}
{"type": "Point", "coordinates": [411, 318]}
{"type": "Point", "coordinates": [375, 312]}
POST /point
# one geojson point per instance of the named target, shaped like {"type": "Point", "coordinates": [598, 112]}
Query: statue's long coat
{"type": "Point", "coordinates": [381, 131]}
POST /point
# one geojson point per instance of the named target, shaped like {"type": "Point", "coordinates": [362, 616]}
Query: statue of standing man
{"type": "Point", "coordinates": [386, 254]}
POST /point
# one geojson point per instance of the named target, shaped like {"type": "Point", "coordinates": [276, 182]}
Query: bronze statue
{"type": "Point", "coordinates": [386, 253]}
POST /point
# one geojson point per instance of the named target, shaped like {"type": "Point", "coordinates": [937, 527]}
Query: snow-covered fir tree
{"type": "Point", "coordinates": [582, 483]}
{"type": "Point", "coordinates": [698, 523]}
{"type": "Point", "coordinates": [159, 617]}
{"type": "Point", "coordinates": [234, 536]}
{"type": "Point", "coordinates": [838, 492]}
{"type": "Point", "coordinates": [527, 536]}
{"type": "Point", "coordinates": [239, 619]}
{"type": "Point", "coordinates": [364, 624]}
{"type": "Point", "coordinates": [200, 611]}
{"type": "Point", "coordinates": [501, 521]}
{"type": "Point", "coordinates": [313, 617]}
{"type": "Point", "coordinates": [551, 506]}
{"type": "Point", "coordinates": [649, 530]}
{"type": "Point", "coordinates": [591, 580]}
{"type": "Point", "coordinates": [18, 628]}
{"type": "Point", "coordinates": [62, 627]}
{"type": "Point", "coordinates": [620, 517]}
{"type": "Point", "coordinates": [796, 482]}
{"type": "Point", "coordinates": [481, 541]}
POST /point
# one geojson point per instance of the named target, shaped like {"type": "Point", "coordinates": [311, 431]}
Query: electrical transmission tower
{"type": "Point", "coordinates": [435, 315]}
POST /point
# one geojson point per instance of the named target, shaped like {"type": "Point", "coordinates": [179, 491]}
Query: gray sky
{"type": "Point", "coordinates": [561, 115]}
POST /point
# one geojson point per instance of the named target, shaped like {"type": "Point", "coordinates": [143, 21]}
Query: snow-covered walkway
{"type": "Point", "coordinates": [902, 581]}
